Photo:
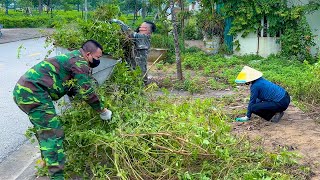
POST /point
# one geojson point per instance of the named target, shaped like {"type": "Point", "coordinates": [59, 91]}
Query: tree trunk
{"type": "Point", "coordinates": [135, 15]}
{"type": "Point", "coordinates": [7, 6]}
{"type": "Point", "coordinates": [144, 10]}
{"type": "Point", "coordinates": [29, 11]}
{"type": "Point", "coordinates": [176, 41]}
{"type": "Point", "coordinates": [49, 6]}
{"type": "Point", "coordinates": [40, 6]}
{"type": "Point", "coordinates": [51, 9]}
{"type": "Point", "coordinates": [86, 10]}
{"type": "Point", "coordinates": [182, 20]}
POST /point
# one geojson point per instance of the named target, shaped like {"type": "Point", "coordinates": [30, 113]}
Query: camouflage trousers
{"type": "Point", "coordinates": [140, 60]}
{"type": "Point", "coordinates": [40, 109]}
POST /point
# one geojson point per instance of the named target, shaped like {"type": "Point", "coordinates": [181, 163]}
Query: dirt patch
{"type": "Point", "coordinates": [296, 131]}
{"type": "Point", "coordinates": [207, 94]}
{"type": "Point", "coordinates": [17, 34]}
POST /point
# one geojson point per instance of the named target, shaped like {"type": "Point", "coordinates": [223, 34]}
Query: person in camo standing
{"type": "Point", "coordinates": [267, 99]}
{"type": "Point", "coordinates": [47, 82]}
{"type": "Point", "coordinates": [142, 43]}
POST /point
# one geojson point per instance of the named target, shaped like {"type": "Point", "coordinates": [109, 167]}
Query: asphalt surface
{"type": "Point", "coordinates": [13, 64]}
{"type": "Point", "coordinates": [18, 34]}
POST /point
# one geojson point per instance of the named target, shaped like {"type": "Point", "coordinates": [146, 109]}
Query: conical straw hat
{"type": "Point", "coordinates": [248, 74]}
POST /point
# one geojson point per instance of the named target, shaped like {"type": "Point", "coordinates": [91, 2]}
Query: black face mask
{"type": "Point", "coordinates": [94, 63]}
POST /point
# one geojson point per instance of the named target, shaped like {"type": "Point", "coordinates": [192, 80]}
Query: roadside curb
{"type": "Point", "coordinates": [16, 40]}
{"type": "Point", "coordinates": [20, 164]}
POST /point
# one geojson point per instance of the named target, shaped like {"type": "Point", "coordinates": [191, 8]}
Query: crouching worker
{"type": "Point", "coordinates": [46, 82]}
{"type": "Point", "coordinates": [267, 99]}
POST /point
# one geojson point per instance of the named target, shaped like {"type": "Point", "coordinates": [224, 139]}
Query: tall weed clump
{"type": "Point", "coordinates": [152, 137]}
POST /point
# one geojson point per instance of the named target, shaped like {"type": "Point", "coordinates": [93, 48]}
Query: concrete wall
{"type": "Point", "coordinates": [314, 22]}
{"type": "Point", "coordinates": [269, 45]}
{"type": "Point", "coordinates": [264, 46]}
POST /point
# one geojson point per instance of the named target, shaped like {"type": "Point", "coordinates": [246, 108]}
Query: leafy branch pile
{"type": "Point", "coordinates": [153, 137]}
{"type": "Point", "coordinates": [71, 36]}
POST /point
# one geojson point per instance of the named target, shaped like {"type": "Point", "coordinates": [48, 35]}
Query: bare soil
{"type": "Point", "coordinates": [296, 131]}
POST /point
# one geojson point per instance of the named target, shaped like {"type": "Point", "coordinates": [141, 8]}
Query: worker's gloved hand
{"type": "Point", "coordinates": [242, 119]}
{"type": "Point", "coordinates": [113, 20]}
{"type": "Point", "coordinates": [116, 21]}
{"type": "Point", "coordinates": [106, 114]}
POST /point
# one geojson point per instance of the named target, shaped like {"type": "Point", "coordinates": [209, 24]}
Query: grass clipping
{"type": "Point", "coordinates": [153, 137]}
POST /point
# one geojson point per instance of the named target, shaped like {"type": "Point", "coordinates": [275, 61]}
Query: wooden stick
{"type": "Point", "coordinates": [152, 65]}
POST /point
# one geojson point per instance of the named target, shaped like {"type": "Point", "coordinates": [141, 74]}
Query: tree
{"type": "Point", "coordinates": [161, 6]}
{"type": "Point", "coordinates": [176, 41]}
{"type": "Point", "coordinates": [131, 6]}
{"type": "Point", "coordinates": [7, 3]}
{"type": "Point", "coordinates": [181, 4]}
{"type": "Point", "coordinates": [40, 6]}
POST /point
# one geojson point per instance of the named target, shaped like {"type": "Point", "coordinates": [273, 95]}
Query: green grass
{"type": "Point", "coordinates": [300, 79]}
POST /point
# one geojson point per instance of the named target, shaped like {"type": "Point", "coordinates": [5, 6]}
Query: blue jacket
{"type": "Point", "coordinates": [264, 90]}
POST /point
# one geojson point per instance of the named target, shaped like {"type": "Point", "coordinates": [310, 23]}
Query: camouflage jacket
{"type": "Point", "coordinates": [59, 74]}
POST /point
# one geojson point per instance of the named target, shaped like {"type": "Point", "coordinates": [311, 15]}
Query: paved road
{"type": "Point", "coordinates": [13, 122]}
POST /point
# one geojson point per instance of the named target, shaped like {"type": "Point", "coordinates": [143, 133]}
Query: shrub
{"type": "Point", "coordinates": [191, 31]}
{"type": "Point", "coordinates": [72, 36]}
{"type": "Point", "coordinates": [20, 20]}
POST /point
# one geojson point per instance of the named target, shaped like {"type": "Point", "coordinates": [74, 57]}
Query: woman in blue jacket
{"type": "Point", "coordinates": [267, 99]}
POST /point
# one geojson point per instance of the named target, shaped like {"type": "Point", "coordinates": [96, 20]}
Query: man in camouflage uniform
{"type": "Point", "coordinates": [47, 82]}
{"type": "Point", "coordinates": [142, 43]}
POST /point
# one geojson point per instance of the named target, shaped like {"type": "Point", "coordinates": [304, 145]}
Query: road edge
{"type": "Point", "coordinates": [20, 162]}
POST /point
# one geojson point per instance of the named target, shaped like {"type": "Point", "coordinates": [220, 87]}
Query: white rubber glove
{"type": "Point", "coordinates": [114, 20]}
{"type": "Point", "coordinates": [242, 119]}
{"type": "Point", "coordinates": [106, 114]}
